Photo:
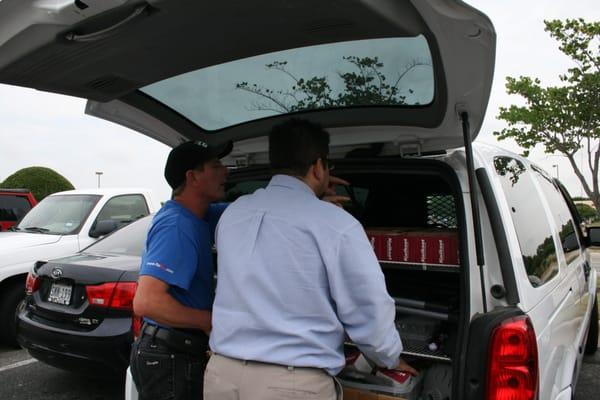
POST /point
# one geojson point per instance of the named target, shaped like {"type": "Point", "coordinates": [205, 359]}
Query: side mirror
{"type": "Point", "coordinates": [593, 235]}
{"type": "Point", "coordinates": [103, 227]}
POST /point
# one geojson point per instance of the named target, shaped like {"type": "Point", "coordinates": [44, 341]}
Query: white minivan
{"type": "Point", "coordinates": [483, 252]}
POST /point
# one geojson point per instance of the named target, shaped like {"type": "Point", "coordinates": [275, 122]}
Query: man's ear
{"type": "Point", "coordinates": [319, 169]}
{"type": "Point", "coordinates": [189, 176]}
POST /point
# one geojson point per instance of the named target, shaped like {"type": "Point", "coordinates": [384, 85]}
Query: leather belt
{"type": "Point", "coordinates": [184, 342]}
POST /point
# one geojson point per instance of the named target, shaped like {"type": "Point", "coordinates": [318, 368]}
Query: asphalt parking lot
{"type": "Point", "coordinates": [23, 378]}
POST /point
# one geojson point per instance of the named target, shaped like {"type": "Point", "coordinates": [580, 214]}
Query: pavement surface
{"type": "Point", "coordinates": [24, 378]}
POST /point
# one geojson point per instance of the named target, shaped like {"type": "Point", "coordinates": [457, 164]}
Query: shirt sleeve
{"type": "Point", "coordinates": [171, 255]}
{"type": "Point", "coordinates": [363, 304]}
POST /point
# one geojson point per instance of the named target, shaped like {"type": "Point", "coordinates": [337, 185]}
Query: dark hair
{"type": "Point", "coordinates": [295, 145]}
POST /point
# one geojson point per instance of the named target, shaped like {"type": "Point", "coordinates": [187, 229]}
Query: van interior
{"type": "Point", "coordinates": [412, 212]}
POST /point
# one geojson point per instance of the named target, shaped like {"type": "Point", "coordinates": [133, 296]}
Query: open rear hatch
{"type": "Point", "coordinates": [128, 57]}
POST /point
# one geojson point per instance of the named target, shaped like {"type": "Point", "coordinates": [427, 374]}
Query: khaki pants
{"type": "Point", "coordinates": [230, 379]}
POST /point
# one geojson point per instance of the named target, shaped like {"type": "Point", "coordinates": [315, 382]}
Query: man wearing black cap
{"type": "Point", "coordinates": [175, 288]}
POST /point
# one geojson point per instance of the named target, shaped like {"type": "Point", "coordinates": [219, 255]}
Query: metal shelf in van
{"type": "Point", "coordinates": [420, 349]}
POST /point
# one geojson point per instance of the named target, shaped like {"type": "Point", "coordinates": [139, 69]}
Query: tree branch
{"type": "Point", "coordinates": [268, 97]}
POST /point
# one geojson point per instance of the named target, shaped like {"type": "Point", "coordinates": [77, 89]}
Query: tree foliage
{"type": "Point", "coordinates": [366, 84]}
{"type": "Point", "coordinates": [41, 181]}
{"type": "Point", "coordinates": [564, 118]}
{"type": "Point", "coordinates": [587, 213]}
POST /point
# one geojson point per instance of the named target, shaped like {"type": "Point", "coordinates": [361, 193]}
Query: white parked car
{"type": "Point", "coordinates": [60, 225]}
{"type": "Point", "coordinates": [482, 251]}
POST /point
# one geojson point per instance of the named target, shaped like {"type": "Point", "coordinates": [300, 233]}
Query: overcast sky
{"type": "Point", "coordinates": [38, 128]}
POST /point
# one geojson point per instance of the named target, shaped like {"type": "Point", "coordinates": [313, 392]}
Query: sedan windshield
{"type": "Point", "coordinates": [59, 215]}
{"type": "Point", "coordinates": [128, 240]}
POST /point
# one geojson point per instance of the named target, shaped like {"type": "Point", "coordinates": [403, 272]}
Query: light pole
{"type": "Point", "coordinates": [99, 173]}
{"type": "Point", "coordinates": [556, 166]}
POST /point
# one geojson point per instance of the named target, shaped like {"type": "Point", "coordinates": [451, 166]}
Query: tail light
{"type": "Point", "coordinates": [32, 283]}
{"type": "Point", "coordinates": [513, 361]}
{"type": "Point", "coordinates": [115, 295]}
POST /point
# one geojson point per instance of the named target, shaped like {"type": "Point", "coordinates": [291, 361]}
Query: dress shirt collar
{"type": "Point", "coordinates": [291, 182]}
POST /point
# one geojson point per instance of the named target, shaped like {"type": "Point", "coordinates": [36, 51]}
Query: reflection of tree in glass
{"type": "Point", "coordinates": [509, 166]}
{"type": "Point", "coordinates": [541, 266]}
{"type": "Point", "coordinates": [367, 85]}
{"type": "Point", "coordinates": [568, 239]}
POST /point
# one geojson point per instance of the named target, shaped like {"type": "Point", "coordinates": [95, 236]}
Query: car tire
{"type": "Point", "coordinates": [591, 345]}
{"type": "Point", "coordinates": [11, 298]}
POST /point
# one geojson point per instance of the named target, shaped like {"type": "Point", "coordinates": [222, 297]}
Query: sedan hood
{"type": "Point", "coordinates": [122, 55]}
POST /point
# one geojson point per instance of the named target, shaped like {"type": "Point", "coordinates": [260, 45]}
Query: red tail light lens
{"type": "Point", "coordinates": [513, 361]}
{"type": "Point", "coordinates": [116, 295]}
{"type": "Point", "coordinates": [122, 298]}
{"type": "Point", "coordinates": [32, 283]}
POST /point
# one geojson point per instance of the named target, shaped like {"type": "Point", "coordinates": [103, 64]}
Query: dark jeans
{"type": "Point", "coordinates": [162, 374]}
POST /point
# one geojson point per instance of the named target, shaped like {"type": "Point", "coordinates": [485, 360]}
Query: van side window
{"type": "Point", "coordinates": [534, 232]}
{"type": "Point", "coordinates": [562, 217]}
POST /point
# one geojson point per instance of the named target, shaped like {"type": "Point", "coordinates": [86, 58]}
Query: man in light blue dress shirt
{"type": "Point", "coordinates": [295, 274]}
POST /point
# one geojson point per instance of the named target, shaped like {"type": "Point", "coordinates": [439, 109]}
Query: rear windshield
{"type": "Point", "coordinates": [128, 240]}
{"type": "Point", "coordinates": [373, 72]}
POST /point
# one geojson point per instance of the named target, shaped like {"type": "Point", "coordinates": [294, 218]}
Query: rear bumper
{"type": "Point", "coordinates": [94, 352]}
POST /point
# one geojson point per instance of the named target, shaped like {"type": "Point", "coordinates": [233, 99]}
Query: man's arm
{"type": "Point", "coordinates": [363, 305]}
{"type": "Point", "coordinates": [153, 300]}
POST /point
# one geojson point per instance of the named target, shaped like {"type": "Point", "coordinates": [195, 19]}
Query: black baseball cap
{"type": "Point", "coordinates": [190, 155]}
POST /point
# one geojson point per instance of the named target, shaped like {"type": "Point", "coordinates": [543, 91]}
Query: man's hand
{"type": "Point", "coordinates": [330, 194]}
{"type": "Point", "coordinates": [404, 367]}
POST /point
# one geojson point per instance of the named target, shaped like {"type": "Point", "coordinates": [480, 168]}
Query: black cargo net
{"type": "Point", "coordinates": [441, 211]}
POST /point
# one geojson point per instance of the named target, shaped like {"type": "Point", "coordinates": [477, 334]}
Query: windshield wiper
{"type": "Point", "coordinates": [37, 229]}
{"type": "Point", "coordinates": [14, 228]}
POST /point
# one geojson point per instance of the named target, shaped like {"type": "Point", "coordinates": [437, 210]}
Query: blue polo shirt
{"type": "Point", "coordinates": [178, 251]}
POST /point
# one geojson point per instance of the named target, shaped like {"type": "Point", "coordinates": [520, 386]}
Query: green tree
{"type": "Point", "coordinates": [564, 118]}
{"type": "Point", "coordinates": [365, 84]}
{"type": "Point", "coordinates": [587, 213]}
{"type": "Point", "coordinates": [41, 181]}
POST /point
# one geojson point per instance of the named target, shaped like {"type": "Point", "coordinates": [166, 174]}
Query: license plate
{"type": "Point", "coordinates": [60, 294]}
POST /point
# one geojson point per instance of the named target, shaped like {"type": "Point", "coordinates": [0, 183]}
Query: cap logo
{"type": "Point", "coordinates": [201, 143]}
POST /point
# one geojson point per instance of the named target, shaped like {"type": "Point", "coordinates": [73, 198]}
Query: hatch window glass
{"type": "Point", "coordinates": [562, 217]}
{"type": "Point", "coordinates": [124, 209]}
{"type": "Point", "coordinates": [13, 208]}
{"type": "Point", "coordinates": [533, 229]}
{"type": "Point", "coordinates": [128, 241]}
{"type": "Point", "coordinates": [59, 214]}
{"type": "Point", "coordinates": [371, 72]}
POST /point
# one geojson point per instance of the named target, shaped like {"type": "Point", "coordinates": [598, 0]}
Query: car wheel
{"type": "Point", "coordinates": [11, 299]}
{"type": "Point", "coordinates": [591, 345]}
